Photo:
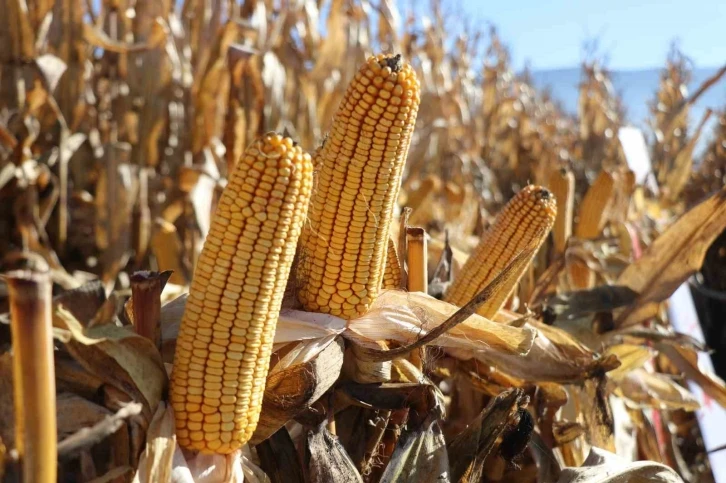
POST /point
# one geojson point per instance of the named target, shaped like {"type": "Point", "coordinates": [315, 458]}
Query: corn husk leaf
{"type": "Point", "coordinates": [674, 256]}
{"type": "Point", "coordinates": [83, 302]}
{"type": "Point", "coordinates": [155, 463]}
{"type": "Point", "coordinates": [405, 317]}
{"type": "Point", "coordinates": [605, 467]}
{"type": "Point", "coordinates": [292, 387]}
{"type": "Point", "coordinates": [164, 460]}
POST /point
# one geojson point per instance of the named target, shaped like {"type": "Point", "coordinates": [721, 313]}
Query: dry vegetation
{"type": "Point", "coordinates": [119, 122]}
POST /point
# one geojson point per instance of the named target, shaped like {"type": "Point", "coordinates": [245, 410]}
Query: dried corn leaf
{"type": "Point", "coordinates": [674, 256]}
{"type": "Point", "coordinates": [119, 357]}
{"type": "Point", "coordinates": [98, 38]}
{"type": "Point", "coordinates": [687, 362]}
{"type": "Point", "coordinates": [84, 302]}
{"type": "Point", "coordinates": [631, 357]}
{"type": "Point", "coordinates": [604, 298]}
{"type": "Point", "coordinates": [556, 356]}
{"type": "Point", "coordinates": [682, 168]}
{"type": "Point", "coordinates": [315, 330]}
{"type": "Point", "coordinates": [645, 389]}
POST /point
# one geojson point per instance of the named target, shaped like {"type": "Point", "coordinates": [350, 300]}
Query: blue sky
{"type": "Point", "coordinates": [635, 34]}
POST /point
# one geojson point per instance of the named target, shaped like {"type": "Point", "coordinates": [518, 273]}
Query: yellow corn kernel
{"type": "Point", "coordinates": [562, 186]}
{"type": "Point", "coordinates": [592, 216]}
{"type": "Point", "coordinates": [226, 334]}
{"type": "Point", "coordinates": [392, 273]}
{"type": "Point", "coordinates": [344, 243]}
{"type": "Point", "coordinates": [524, 222]}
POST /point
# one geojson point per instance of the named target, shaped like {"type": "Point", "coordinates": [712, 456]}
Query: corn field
{"type": "Point", "coordinates": [330, 241]}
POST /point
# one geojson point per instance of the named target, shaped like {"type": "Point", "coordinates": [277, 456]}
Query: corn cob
{"type": "Point", "coordinates": [431, 184]}
{"type": "Point", "coordinates": [592, 216]}
{"type": "Point", "coordinates": [594, 208]}
{"type": "Point", "coordinates": [343, 247]}
{"type": "Point", "coordinates": [562, 185]}
{"type": "Point", "coordinates": [392, 273]}
{"type": "Point", "coordinates": [226, 334]}
{"type": "Point", "coordinates": [524, 222]}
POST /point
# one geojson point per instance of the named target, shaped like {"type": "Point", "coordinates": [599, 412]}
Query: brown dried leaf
{"type": "Point", "coordinates": [648, 336]}
{"type": "Point", "coordinates": [548, 466]}
{"type": "Point", "coordinates": [83, 302]}
{"type": "Point", "coordinates": [327, 460]}
{"type": "Point", "coordinates": [72, 377]}
{"type": "Point", "coordinates": [687, 362]}
{"type": "Point", "coordinates": [469, 449]}
{"type": "Point", "coordinates": [119, 357]}
{"type": "Point", "coordinates": [419, 456]}
{"type": "Point", "coordinates": [76, 413]}
{"type": "Point", "coordinates": [603, 298]}
{"type": "Point", "coordinates": [417, 319]}
{"type": "Point", "coordinates": [87, 437]}
{"type": "Point", "coordinates": [682, 168]}
{"type": "Point", "coordinates": [556, 356]}
{"type": "Point", "coordinates": [394, 396]}
{"type": "Point", "coordinates": [675, 255]}
{"type": "Point", "coordinates": [279, 459]}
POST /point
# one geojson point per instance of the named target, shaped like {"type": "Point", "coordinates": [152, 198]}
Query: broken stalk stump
{"type": "Point", "coordinates": [146, 288]}
{"type": "Point", "coordinates": [34, 374]}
